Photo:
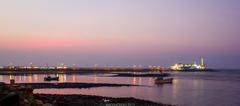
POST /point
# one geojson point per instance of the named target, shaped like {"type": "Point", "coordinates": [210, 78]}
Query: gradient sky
{"type": "Point", "coordinates": [120, 32]}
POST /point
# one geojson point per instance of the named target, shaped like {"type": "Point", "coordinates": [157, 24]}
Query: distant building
{"type": "Point", "coordinates": [194, 66]}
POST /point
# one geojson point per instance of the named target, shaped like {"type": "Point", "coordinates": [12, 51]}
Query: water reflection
{"type": "Point", "coordinates": [62, 78]}
{"type": "Point", "coordinates": [133, 91]}
{"type": "Point", "coordinates": [39, 78]}
{"type": "Point", "coordinates": [95, 78]}
{"type": "Point", "coordinates": [181, 92]}
{"type": "Point", "coordinates": [24, 78]}
{"type": "Point", "coordinates": [134, 82]}
{"type": "Point", "coordinates": [35, 77]}
{"type": "Point", "coordinates": [74, 78]}
{"type": "Point", "coordinates": [175, 88]}
{"type": "Point", "coordinates": [186, 90]}
{"type": "Point", "coordinates": [11, 77]}
{"type": "Point", "coordinates": [30, 78]}
{"type": "Point", "coordinates": [140, 81]}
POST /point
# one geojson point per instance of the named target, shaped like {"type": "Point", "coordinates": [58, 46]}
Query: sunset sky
{"type": "Point", "coordinates": [120, 32]}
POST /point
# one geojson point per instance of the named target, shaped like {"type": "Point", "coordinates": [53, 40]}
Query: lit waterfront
{"type": "Point", "coordinates": [62, 67]}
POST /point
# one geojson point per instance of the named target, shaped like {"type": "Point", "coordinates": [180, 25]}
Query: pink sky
{"type": "Point", "coordinates": [121, 32]}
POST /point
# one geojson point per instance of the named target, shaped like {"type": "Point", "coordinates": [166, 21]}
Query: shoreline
{"type": "Point", "coordinates": [115, 73]}
{"type": "Point", "coordinates": [13, 95]}
{"type": "Point", "coordinates": [70, 85]}
{"type": "Point", "coordinates": [68, 71]}
{"type": "Point", "coordinates": [91, 71]}
{"type": "Point", "coordinates": [88, 100]}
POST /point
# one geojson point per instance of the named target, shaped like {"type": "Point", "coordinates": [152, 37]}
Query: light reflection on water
{"type": "Point", "coordinates": [188, 89]}
{"type": "Point", "coordinates": [95, 78]}
{"type": "Point", "coordinates": [182, 92]}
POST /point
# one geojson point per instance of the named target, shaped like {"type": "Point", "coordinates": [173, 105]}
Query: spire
{"type": "Point", "coordinates": [202, 62]}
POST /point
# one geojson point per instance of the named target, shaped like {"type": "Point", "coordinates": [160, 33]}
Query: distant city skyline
{"type": "Point", "coordinates": [120, 32]}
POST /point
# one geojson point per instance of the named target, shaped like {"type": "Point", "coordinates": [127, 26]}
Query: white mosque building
{"type": "Point", "coordinates": [194, 66]}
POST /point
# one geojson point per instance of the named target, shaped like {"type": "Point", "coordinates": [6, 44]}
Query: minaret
{"type": "Point", "coordinates": [202, 62]}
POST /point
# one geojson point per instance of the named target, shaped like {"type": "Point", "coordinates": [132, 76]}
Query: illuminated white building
{"type": "Point", "coordinates": [194, 66]}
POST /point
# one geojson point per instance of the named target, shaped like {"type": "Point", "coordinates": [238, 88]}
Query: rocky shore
{"type": "Point", "coordinates": [14, 95]}
{"type": "Point", "coordinates": [22, 95]}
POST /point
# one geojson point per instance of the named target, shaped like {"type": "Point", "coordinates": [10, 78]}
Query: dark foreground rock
{"type": "Point", "coordinates": [86, 100]}
{"type": "Point", "coordinates": [14, 95]}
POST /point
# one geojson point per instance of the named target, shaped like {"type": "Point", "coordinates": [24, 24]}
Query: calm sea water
{"type": "Point", "coordinates": [220, 88]}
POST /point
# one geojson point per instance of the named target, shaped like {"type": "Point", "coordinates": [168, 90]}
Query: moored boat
{"type": "Point", "coordinates": [49, 78]}
{"type": "Point", "coordinates": [162, 80]}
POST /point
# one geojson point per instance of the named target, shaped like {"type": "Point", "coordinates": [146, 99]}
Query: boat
{"type": "Point", "coordinates": [49, 78]}
{"type": "Point", "coordinates": [162, 80]}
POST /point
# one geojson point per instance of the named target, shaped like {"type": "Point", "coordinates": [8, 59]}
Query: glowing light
{"type": "Point", "coordinates": [74, 78]}
{"type": "Point", "coordinates": [62, 67]}
{"type": "Point", "coordinates": [134, 82]}
{"type": "Point", "coordinates": [30, 79]}
{"type": "Point", "coordinates": [11, 77]}
{"type": "Point", "coordinates": [180, 66]}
